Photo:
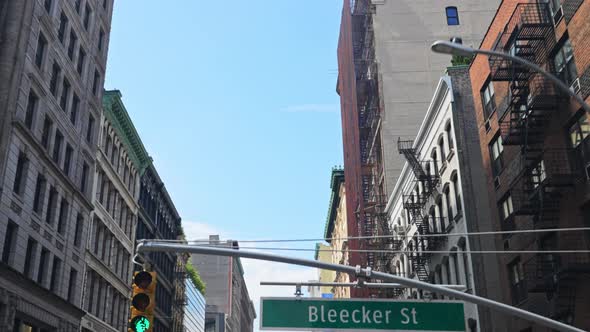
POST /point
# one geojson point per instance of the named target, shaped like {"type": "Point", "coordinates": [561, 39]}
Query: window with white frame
{"type": "Point", "coordinates": [506, 207]}
{"type": "Point", "coordinates": [565, 66]}
{"type": "Point", "coordinates": [497, 152]}
{"type": "Point", "coordinates": [488, 100]}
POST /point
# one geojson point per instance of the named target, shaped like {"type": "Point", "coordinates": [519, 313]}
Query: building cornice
{"type": "Point", "coordinates": [116, 113]}
{"type": "Point", "coordinates": [336, 180]}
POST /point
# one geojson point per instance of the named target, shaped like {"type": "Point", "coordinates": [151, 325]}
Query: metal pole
{"type": "Point", "coordinates": [348, 284]}
{"type": "Point", "coordinates": [442, 46]}
{"type": "Point", "coordinates": [155, 246]}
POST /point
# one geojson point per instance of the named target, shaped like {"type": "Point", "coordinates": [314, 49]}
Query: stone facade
{"type": "Point", "coordinates": [121, 158]}
{"type": "Point", "coordinates": [52, 65]}
{"type": "Point", "coordinates": [158, 219]}
{"type": "Point", "coordinates": [443, 203]}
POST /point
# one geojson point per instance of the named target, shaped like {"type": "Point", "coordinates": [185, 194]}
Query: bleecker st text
{"type": "Point", "coordinates": [361, 315]}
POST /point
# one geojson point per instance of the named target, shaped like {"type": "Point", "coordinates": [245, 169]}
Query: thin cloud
{"type": "Point", "coordinates": [312, 108]}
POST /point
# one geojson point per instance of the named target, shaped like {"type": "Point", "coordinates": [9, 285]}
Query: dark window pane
{"type": "Point", "coordinates": [42, 266]}
{"type": "Point", "coordinates": [41, 46]}
{"type": "Point", "coordinates": [21, 173]}
{"type": "Point", "coordinates": [63, 22]}
{"type": "Point", "coordinates": [87, 16]}
{"type": "Point", "coordinates": [9, 241]}
{"type": "Point", "coordinates": [72, 285]}
{"type": "Point", "coordinates": [31, 109]}
{"type": "Point", "coordinates": [51, 205]}
{"type": "Point", "coordinates": [90, 129]}
{"type": "Point", "coordinates": [95, 82]}
{"type": "Point", "coordinates": [57, 146]}
{"type": "Point", "coordinates": [74, 109]}
{"type": "Point", "coordinates": [68, 159]}
{"type": "Point", "coordinates": [84, 179]}
{"type": "Point", "coordinates": [55, 275]}
{"type": "Point", "coordinates": [81, 60]}
{"type": "Point", "coordinates": [77, 5]}
{"type": "Point", "coordinates": [39, 194]}
{"type": "Point", "coordinates": [29, 256]}
{"type": "Point", "coordinates": [63, 216]}
{"type": "Point", "coordinates": [47, 5]}
{"type": "Point", "coordinates": [65, 92]}
{"type": "Point", "coordinates": [55, 72]}
{"type": "Point", "coordinates": [100, 39]}
{"type": "Point", "coordinates": [72, 45]}
{"type": "Point", "coordinates": [78, 230]}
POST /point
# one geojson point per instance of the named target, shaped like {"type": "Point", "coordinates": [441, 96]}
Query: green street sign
{"type": "Point", "coordinates": [289, 314]}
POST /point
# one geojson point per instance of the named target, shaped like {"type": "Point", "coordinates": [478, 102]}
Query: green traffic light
{"type": "Point", "coordinates": [140, 324]}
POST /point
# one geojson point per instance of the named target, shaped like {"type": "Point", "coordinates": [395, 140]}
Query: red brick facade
{"type": "Point", "coordinates": [542, 172]}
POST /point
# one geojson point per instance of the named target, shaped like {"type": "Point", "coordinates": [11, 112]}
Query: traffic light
{"type": "Point", "coordinates": [143, 302]}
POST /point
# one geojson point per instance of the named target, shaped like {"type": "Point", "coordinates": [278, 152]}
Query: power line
{"type": "Point", "coordinates": [521, 231]}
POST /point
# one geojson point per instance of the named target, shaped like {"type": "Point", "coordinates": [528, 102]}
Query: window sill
{"type": "Point", "coordinates": [459, 216]}
{"type": "Point", "coordinates": [449, 228]}
{"type": "Point", "coordinates": [442, 168]}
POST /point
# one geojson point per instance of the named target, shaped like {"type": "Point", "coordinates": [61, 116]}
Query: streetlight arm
{"type": "Point", "coordinates": [442, 46]}
{"type": "Point", "coordinates": [155, 246]}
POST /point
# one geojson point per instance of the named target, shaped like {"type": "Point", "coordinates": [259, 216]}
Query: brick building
{"type": "Point", "coordinates": [536, 155]}
{"type": "Point", "coordinates": [386, 77]}
{"type": "Point", "coordinates": [52, 65]}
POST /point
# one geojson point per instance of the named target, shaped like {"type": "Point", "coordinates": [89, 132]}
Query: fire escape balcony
{"type": "Point", "coordinates": [529, 35]}
{"type": "Point", "coordinates": [431, 226]}
{"type": "Point", "coordinates": [559, 277]}
{"type": "Point", "coordinates": [547, 174]}
{"type": "Point", "coordinates": [530, 108]}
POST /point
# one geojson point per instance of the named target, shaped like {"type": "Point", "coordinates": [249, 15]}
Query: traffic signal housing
{"type": "Point", "coordinates": [143, 302]}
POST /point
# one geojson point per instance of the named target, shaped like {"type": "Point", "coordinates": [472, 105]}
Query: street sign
{"type": "Point", "coordinates": [289, 314]}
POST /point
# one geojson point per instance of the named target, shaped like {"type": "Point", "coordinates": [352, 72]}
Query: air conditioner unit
{"type": "Point", "coordinates": [558, 15]}
{"type": "Point", "coordinates": [575, 87]}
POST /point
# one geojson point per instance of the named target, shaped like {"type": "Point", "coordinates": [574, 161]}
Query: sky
{"type": "Point", "coordinates": [236, 103]}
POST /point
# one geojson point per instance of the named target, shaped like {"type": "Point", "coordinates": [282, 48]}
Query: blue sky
{"type": "Point", "coordinates": [236, 103]}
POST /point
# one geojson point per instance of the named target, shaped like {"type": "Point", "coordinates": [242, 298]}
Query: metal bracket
{"type": "Point", "coordinates": [298, 293]}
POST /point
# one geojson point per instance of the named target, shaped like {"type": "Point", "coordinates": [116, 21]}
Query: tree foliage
{"type": "Point", "coordinates": [195, 277]}
{"type": "Point", "coordinates": [459, 60]}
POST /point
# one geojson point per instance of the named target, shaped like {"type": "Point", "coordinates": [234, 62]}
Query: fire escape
{"type": "Point", "coordinates": [372, 219]}
{"type": "Point", "coordinates": [426, 180]}
{"type": "Point", "coordinates": [539, 176]}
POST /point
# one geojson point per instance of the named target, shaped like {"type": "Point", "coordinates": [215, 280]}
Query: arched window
{"type": "Point", "coordinates": [457, 190]}
{"type": "Point", "coordinates": [439, 209]}
{"type": "Point", "coordinates": [449, 136]}
{"type": "Point", "coordinates": [434, 160]}
{"type": "Point", "coordinates": [441, 147]}
{"type": "Point", "coordinates": [447, 194]}
{"type": "Point", "coordinates": [452, 15]}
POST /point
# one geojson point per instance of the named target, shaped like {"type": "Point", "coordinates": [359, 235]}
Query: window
{"type": "Point", "coordinates": [20, 177]}
{"type": "Point", "coordinates": [95, 83]}
{"type": "Point", "coordinates": [47, 124]}
{"type": "Point", "coordinates": [39, 193]}
{"type": "Point", "coordinates": [456, 189]}
{"type": "Point", "coordinates": [434, 160]}
{"type": "Point", "coordinates": [74, 109]}
{"type": "Point", "coordinates": [63, 23]}
{"type": "Point", "coordinates": [104, 4]}
{"type": "Point", "coordinates": [497, 154]}
{"type": "Point", "coordinates": [463, 248]}
{"type": "Point", "coordinates": [51, 205]}
{"type": "Point", "coordinates": [506, 208]}
{"type": "Point", "coordinates": [90, 129]}
{"type": "Point", "coordinates": [81, 60]}
{"type": "Point", "coordinates": [579, 131]}
{"type": "Point", "coordinates": [565, 66]}
{"type": "Point", "coordinates": [78, 230]}
{"type": "Point", "coordinates": [449, 137]}
{"type": "Point", "coordinates": [452, 16]}
{"type": "Point", "coordinates": [59, 138]}
{"type": "Point", "coordinates": [84, 179]}
{"type": "Point", "coordinates": [55, 275]}
{"type": "Point", "coordinates": [31, 109]}
{"type": "Point", "coordinates": [40, 54]}
{"type": "Point", "coordinates": [65, 92]}
{"type": "Point", "coordinates": [447, 193]}
{"type": "Point", "coordinates": [55, 72]}
{"type": "Point", "coordinates": [78, 6]}
{"type": "Point", "coordinates": [72, 285]}
{"type": "Point", "coordinates": [72, 45]}
{"type": "Point", "coordinates": [516, 281]}
{"type": "Point", "coordinates": [554, 6]}
{"type": "Point", "coordinates": [488, 99]}
{"type": "Point", "coordinates": [100, 39]}
{"type": "Point", "coordinates": [9, 242]}
{"type": "Point", "coordinates": [29, 256]}
{"type": "Point", "coordinates": [441, 147]}
{"type": "Point", "coordinates": [42, 266]}
{"type": "Point", "coordinates": [47, 6]}
{"type": "Point", "coordinates": [63, 216]}
{"type": "Point", "coordinates": [87, 14]}
{"type": "Point", "coordinates": [68, 159]}
{"type": "Point", "coordinates": [538, 174]}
